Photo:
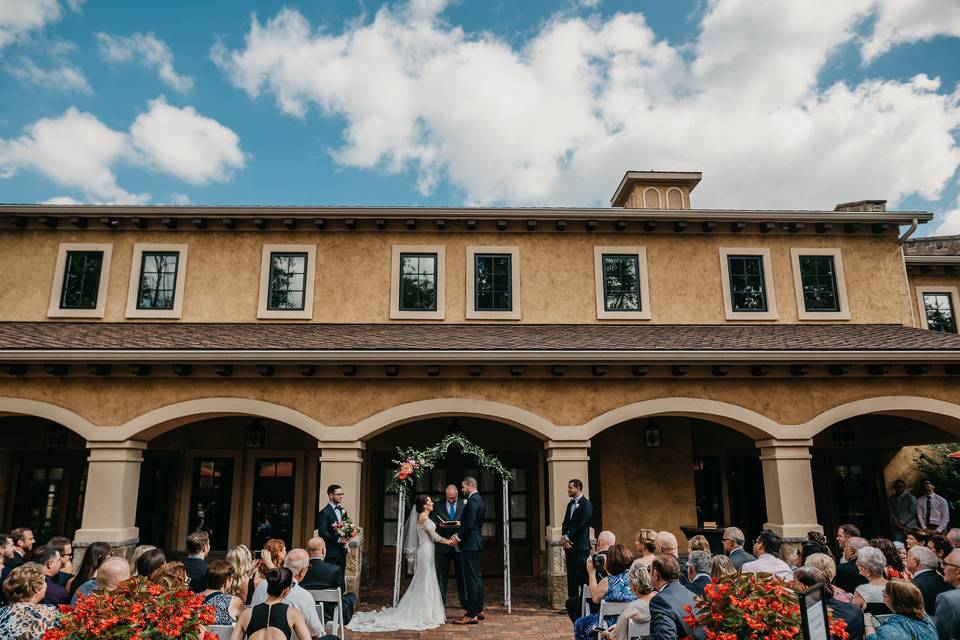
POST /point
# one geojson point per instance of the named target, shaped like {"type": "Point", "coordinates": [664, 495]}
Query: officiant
{"type": "Point", "coordinates": [446, 515]}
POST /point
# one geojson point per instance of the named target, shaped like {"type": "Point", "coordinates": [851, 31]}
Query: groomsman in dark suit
{"type": "Point", "coordinates": [449, 509]}
{"type": "Point", "coordinates": [576, 537]}
{"type": "Point", "coordinates": [326, 518]}
{"type": "Point", "coordinates": [470, 540]}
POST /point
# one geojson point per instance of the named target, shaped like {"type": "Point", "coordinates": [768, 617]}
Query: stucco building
{"type": "Point", "coordinates": [172, 367]}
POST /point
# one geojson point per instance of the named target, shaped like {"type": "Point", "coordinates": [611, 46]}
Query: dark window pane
{"type": "Point", "coordinates": [621, 283]}
{"type": "Point", "coordinates": [493, 278]}
{"type": "Point", "coordinates": [747, 287]}
{"type": "Point", "coordinates": [287, 278]}
{"type": "Point", "coordinates": [819, 283]}
{"type": "Point", "coordinates": [81, 280]}
{"type": "Point", "coordinates": [158, 280]}
{"type": "Point", "coordinates": [418, 282]}
{"type": "Point", "coordinates": [941, 315]}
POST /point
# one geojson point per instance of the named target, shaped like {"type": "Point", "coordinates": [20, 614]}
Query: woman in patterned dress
{"type": "Point", "coordinates": [226, 606]}
{"type": "Point", "coordinates": [24, 618]}
{"type": "Point", "coordinates": [614, 588]}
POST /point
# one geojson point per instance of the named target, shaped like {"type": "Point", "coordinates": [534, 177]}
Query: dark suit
{"type": "Point", "coordinates": [948, 615]}
{"type": "Point", "coordinates": [696, 587]}
{"type": "Point", "coordinates": [336, 552]}
{"type": "Point", "coordinates": [576, 528]}
{"type": "Point", "coordinates": [196, 569]}
{"type": "Point", "coordinates": [667, 613]}
{"type": "Point", "coordinates": [931, 585]}
{"type": "Point", "coordinates": [471, 543]}
{"type": "Point", "coordinates": [848, 576]}
{"type": "Point", "coordinates": [445, 555]}
{"type": "Point", "coordinates": [740, 557]}
{"type": "Point", "coordinates": [323, 575]}
{"type": "Point", "coordinates": [849, 613]}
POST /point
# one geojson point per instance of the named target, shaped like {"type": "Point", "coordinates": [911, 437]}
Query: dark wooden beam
{"type": "Point", "coordinates": [679, 226]}
{"type": "Point", "coordinates": [501, 225]}
{"type": "Point", "coordinates": [708, 226]}
{"type": "Point", "coordinates": [223, 370]}
{"type": "Point", "coordinates": [320, 224]}
{"type": "Point", "coordinates": [380, 223]}
{"type": "Point", "coordinates": [649, 226]}
{"type": "Point", "coordinates": [879, 227]}
{"type": "Point", "coordinates": [307, 370]}
{"type": "Point", "coordinates": [200, 223]}
{"type": "Point", "coordinates": [516, 370]}
{"type": "Point", "coordinates": [738, 226]}
{"type": "Point", "coordinates": [471, 225]}
{"type": "Point", "coordinates": [599, 370]}
{"type": "Point", "coordinates": [799, 369]}
{"type": "Point", "coordinates": [561, 225]}
{"type": "Point", "coordinates": [433, 371]}
{"type": "Point", "coordinates": [719, 370]}
{"type": "Point", "coordinates": [110, 223]}
{"type": "Point", "coordinates": [823, 227]}
{"type": "Point", "coordinates": [411, 224]}
{"type": "Point", "coordinates": [56, 369]}
{"type": "Point", "coordinates": [99, 369]}
{"type": "Point", "coordinates": [391, 370]}
{"type": "Point", "coordinates": [265, 370]}
{"type": "Point", "coordinates": [351, 223]}
{"type": "Point", "coordinates": [19, 221]}
{"type": "Point", "coordinates": [15, 369]}
{"type": "Point", "coordinates": [951, 369]}
{"type": "Point", "coordinates": [139, 223]}
{"type": "Point", "coordinates": [851, 227]}
{"type": "Point", "coordinates": [49, 222]}
{"type": "Point", "coordinates": [229, 223]}
{"type": "Point", "coordinates": [917, 369]}
{"type": "Point", "coordinates": [79, 223]}
{"type": "Point", "coordinates": [639, 370]}
{"type": "Point", "coordinates": [475, 370]}
{"type": "Point", "coordinates": [290, 223]}
{"type": "Point", "coordinates": [531, 225]}
{"type": "Point", "coordinates": [349, 370]}
{"type": "Point", "coordinates": [260, 223]}
{"type": "Point", "coordinates": [878, 369]}
{"type": "Point", "coordinates": [620, 225]}
{"type": "Point", "coordinates": [591, 225]}
{"type": "Point", "coordinates": [759, 370]}
{"type": "Point", "coordinates": [557, 370]}
{"type": "Point", "coordinates": [140, 370]}
{"type": "Point", "coordinates": [838, 369]}
{"type": "Point", "coordinates": [441, 224]}
{"type": "Point", "coordinates": [767, 227]}
{"type": "Point", "coordinates": [182, 370]}
{"type": "Point", "coordinates": [169, 223]}
{"type": "Point", "coordinates": [794, 227]}
{"type": "Point", "coordinates": [679, 369]}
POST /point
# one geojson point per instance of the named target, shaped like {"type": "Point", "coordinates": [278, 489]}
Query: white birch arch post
{"type": "Point", "coordinates": [398, 563]}
{"type": "Point", "coordinates": [506, 547]}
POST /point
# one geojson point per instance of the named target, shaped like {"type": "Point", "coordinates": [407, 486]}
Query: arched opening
{"type": "Point", "coordinates": [43, 468]}
{"type": "Point", "coordinates": [243, 479]}
{"type": "Point", "coordinates": [675, 473]}
{"type": "Point", "coordinates": [520, 451]}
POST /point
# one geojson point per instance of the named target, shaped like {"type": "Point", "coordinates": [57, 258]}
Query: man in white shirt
{"type": "Point", "coordinates": [298, 561]}
{"type": "Point", "coordinates": [767, 549]}
{"type": "Point", "coordinates": [933, 512]}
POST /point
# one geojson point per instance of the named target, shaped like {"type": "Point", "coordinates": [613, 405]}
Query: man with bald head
{"type": "Point", "coordinates": [323, 575]}
{"type": "Point", "coordinates": [445, 513]}
{"type": "Point", "coordinates": [110, 573]}
{"type": "Point", "coordinates": [667, 544]}
{"type": "Point", "coordinates": [298, 561]}
{"type": "Point", "coordinates": [605, 540]}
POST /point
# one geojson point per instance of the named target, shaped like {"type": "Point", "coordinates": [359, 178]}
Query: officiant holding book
{"type": "Point", "coordinates": [446, 514]}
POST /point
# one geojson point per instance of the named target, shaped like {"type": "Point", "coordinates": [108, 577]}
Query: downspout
{"type": "Point", "coordinates": [906, 278]}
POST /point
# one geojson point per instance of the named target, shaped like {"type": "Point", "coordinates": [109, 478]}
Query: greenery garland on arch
{"type": "Point", "coordinates": [412, 463]}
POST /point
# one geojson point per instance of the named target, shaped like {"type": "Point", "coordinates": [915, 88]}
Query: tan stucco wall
{"type": "Point", "coordinates": [557, 273]}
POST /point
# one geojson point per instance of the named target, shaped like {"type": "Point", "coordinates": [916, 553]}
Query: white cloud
{"type": "Point", "coordinates": [64, 76]}
{"type": "Point", "coordinates": [179, 199]}
{"type": "Point", "coordinates": [185, 144]}
{"type": "Point", "coordinates": [147, 49]}
{"type": "Point", "coordinates": [61, 200]}
{"type": "Point", "coordinates": [561, 118]}
{"type": "Point", "coordinates": [901, 21]}
{"type": "Point", "coordinates": [949, 221]}
{"type": "Point", "coordinates": [21, 17]}
{"type": "Point", "coordinates": [79, 151]}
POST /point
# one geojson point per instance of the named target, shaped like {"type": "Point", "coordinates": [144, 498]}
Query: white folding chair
{"type": "Point", "coordinates": [335, 596]}
{"type": "Point", "coordinates": [223, 631]}
{"type": "Point", "coordinates": [584, 600]}
{"type": "Point", "coordinates": [610, 609]}
{"type": "Point", "coordinates": [638, 630]}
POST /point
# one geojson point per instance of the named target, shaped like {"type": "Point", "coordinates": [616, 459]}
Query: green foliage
{"type": "Point", "coordinates": [932, 462]}
{"type": "Point", "coordinates": [411, 463]}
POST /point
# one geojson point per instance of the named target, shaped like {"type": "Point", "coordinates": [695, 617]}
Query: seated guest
{"type": "Point", "coordinates": [93, 557]}
{"type": "Point", "coordinates": [49, 560]}
{"type": "Point", "coordinates": [605, 540]}
{"type": "Point", "coordinates": [324, 575]}
{"type": "Point", "coordinates": [698, 543]}
{"type": "Point", "coordinates": [641, 583]}
{"type": "Point", "coordinates": [896, 569]}
{"type": "Point", "coordinates": [869, 596]}
{"type": "Point", "coordinates": [150, 561]}
{"type": "Point", "coordinates": [667, 543]}
{"type": "Point", "coordinates": [825, 563]}
{"type": "Point", "coordinates": [733, 540]}
{"type": "Point", "coordinates": [273, 554]}
{"type": "Point", "coordinates": [246, 571]}
{"type": "Point", "coordinates": [170, 575]}
{"type": "Point", "coordinates": [138, 552]}
{"type": "Point", "coordinates": [645, 543]}
{"type": "Point", "coordinates": [848, 575]}
{"type": "Point", "coordinates": [817, 538]}
{"type": "Point", "coordinates": [22, 545]}
{"type": "Point", "coordinates": [948, 602]}
{"type": "Point", "coordinates": [721, 567]}
{"type": "Point", "coordinates": [810, 576]}
{"type": "Point", "coordinates": [613, 588]}
{"type": "Point", "coordinates": [65, 547]}
{"type": "Point", "coordinates": [111, 573]}
{"type": "Point", "coordinates": [953, 536]}
{"type": "Point", "coordinates": [909, 621]}
{"type": "Point", "coordinates": [226, 606]}
{"type": "Point", "coordinates": [923, 563]}
{"type": "Point", "coordinates": [668, 607]}
{"type": "Point", "coordinates": [273, 613]}
{"type": "Point", "coordinates": [198, 546]}
{"type": "Point", "coordinates": [699, 564]}
{"type": "Point", "coordinates": [940, 546]}
{"type": "Point", "coordinates": [767, 549]}
{"type": "Point", "coordinates": [298, 562]}
{"type": "Point", "coordinates": [916, 536]}
{"type": "Point", "coordinates": [24, 617]}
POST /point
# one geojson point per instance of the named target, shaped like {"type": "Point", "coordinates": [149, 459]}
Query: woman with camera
{"type": "Point", "coordinates": [614, 588]}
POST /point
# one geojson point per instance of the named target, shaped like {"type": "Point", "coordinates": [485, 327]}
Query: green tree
{"type": "Point", "coordinates": [932, 462]}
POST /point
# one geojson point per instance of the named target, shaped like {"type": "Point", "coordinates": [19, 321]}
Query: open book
{"type": "Point", "coordinates": [443, 522]}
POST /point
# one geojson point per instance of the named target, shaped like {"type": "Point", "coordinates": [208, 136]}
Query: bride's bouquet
{"type": "Point", "coordinates": [346, 529]}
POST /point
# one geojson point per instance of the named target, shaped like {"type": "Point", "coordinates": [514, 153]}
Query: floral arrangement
{"type": "Point", "coordinates": [346, 529]}
{"type": "Point", "coordinates": [136, 609]}
{"type": "Point", "coordinates": [751, 607]}
{"type": "Point", "coordinates": [412, 463]}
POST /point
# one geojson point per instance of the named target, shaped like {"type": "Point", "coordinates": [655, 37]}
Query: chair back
{"type": "Point", "coordinates": [638, 630]}
{"type": "Point", "coordinates": [333, 596]}
{"type": "Point", "coordinates": [584, 601]}
{"type": "Point", "coordinates": [223, 631]}
{"type": "Point", "coordinates": [610, 609]}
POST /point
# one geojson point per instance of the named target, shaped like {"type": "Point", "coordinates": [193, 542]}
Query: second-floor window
{"type": "Point", "coordinates": [418, 282]}
{"type": "Point", "coordinates": [939, 309]}
{"type": "Point", "coordinates": [819, 283]}
{"type": "Point", "coordinates": [81, 280]}
{"type": "Point", "coordinates": [158, 280]}
{"type": "Point", "coordinates": [748, 292]}
{"type": "Point", "coordinates": [621, 283]}
{"type": "Point", "coordinates": [493, 282]}
{"type": "Point", "coordinates": [287, 281]}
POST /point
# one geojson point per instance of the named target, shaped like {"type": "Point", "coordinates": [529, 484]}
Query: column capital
{"type": "Point", "coordinates": [567, 450]}
{"type": "Point", "coordinates": [125, 451]}
{"type": "Point", "coordinates": [116, 444]}
{"type": "Point", "coordinates": [338, 451]}
{"type": "Point", "coordinates": [777, 449]}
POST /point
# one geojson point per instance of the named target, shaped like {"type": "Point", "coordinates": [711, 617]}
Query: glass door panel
{"type": "Point", "coordinates": [210, 501]}
{"type": "Point", "coordinates": [273, 495]}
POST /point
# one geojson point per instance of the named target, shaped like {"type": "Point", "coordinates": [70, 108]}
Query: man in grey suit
{"type": "Point", "coordinates": [667, 607]}
{"type": "Point", "coordinates": [948, 602]}
{"type": "Point", "coordinates": [903, 511]}
{"type": "Point", "coordinates": [733, 540]}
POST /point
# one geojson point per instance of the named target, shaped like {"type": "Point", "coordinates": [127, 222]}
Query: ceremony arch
{"type": "Point", "coordinates": [412, 463]}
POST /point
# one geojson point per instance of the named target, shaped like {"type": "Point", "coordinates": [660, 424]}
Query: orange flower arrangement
{"type": "Point", "coordinates": [136, 609]}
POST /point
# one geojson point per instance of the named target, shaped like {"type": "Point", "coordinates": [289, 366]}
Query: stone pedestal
{"type": "Point", "coordinates": [556, 570]}
{"type": "Point", "coordinates": [355, 566]}
{"type": "Point", "coordinates": [788, 487]}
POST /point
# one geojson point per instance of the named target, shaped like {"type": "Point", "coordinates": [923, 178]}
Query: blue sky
{"type": "Point", "coordinates": [480, 102]}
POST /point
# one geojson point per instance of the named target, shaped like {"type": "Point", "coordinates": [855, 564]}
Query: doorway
{"type": "Point", "coordinates": [274, 488]}
{"type": "Point", "coordinates": [210, 500]}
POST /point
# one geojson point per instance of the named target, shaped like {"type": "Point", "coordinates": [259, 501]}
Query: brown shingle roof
{"type": "Point", "coordinates": [16, 336]}
{"type": "Point", "coordinates": [935, 246]}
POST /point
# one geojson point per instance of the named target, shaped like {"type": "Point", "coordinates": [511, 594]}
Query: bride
{"type": "Point", "coordinates": [420, 607]}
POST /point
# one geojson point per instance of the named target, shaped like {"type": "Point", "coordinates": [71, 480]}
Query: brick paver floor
{"type": "Point", "coordinates": [531, 617]}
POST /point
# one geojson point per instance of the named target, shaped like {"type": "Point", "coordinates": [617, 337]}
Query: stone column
{"type": "Point", "coordinates": [110, 500]}
{"type": "Point", "coordinates": [566, 459]}
{"type": "Point", "coordinates": [341, 463]}
{"type": "Point", "coordinates": [788, 485]}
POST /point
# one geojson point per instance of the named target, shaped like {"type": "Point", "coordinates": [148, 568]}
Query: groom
{"type": "Point", "coordinates": [471, 542]}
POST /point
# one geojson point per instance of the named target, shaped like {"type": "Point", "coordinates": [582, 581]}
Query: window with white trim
{"type": "Point", "coordinates": [622, 286]}
{"type": "Point", "coordinates": [747, 281]}
{"type": "Point", "coordinates": [287, 276]}
{"type": "Point", "coordinates": [938, 308]}
{"type": "Point", "coordinates": [417, 282]}
{"type": "Point", "coordinates": [820, 284]}
{"type": "Point", "coordinates": [157, 277]}
{"type": "Point", "coordinates": [80, 281]}
{"type": "Point", "coordinates": [493, 283]}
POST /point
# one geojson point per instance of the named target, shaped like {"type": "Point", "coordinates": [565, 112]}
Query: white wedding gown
{"type": "Point", "coordinates": [420, 607]}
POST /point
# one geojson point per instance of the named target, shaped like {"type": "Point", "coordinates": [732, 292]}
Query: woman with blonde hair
{"type": "Point", "coordinates": [24, 616]}
{"type": "Point", "coordinates": [645, 542]}
{"type": "Point", "coordinates": [245, 569]}
{"type": "Point", "coordinates": [641, 583]}
{"type": "Point", "coordinates": [826, 564]}
{"type": "Point", "coordinates": [698, 543]}
{"type": "Point", "coordinates": [721, 567]}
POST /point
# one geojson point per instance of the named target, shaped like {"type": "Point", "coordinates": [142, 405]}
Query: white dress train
{"type": "Point", "coordinates": [420, 607]}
